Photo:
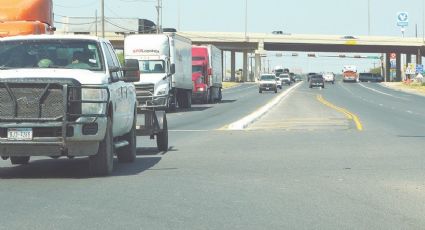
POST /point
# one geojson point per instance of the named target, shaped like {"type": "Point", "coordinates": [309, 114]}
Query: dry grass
{"type": "Point", "coordinates": [412, 87]}
{"type": "Point", "coordinates": [228, 84]}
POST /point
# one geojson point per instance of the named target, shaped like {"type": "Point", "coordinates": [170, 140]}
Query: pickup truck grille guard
{"type": "Point", "coordinates": [66, 92]}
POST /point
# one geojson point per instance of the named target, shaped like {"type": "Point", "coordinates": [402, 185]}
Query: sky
{"type": "Point", "coordinates": [337, 17]}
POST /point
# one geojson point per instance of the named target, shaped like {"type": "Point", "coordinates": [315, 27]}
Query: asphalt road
{"type": "Point", "coordinates": [304, 165]}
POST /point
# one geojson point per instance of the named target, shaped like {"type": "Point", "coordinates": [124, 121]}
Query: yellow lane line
{"type": "Point", "coordinates": [347, 113]}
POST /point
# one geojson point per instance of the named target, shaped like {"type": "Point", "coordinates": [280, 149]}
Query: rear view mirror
{"type": "Point", "coordinates": [173, 69]}
{"type": "Point", "coordinates": [209, 71]}
{"type": "Point", "coordinates": [131, 70]}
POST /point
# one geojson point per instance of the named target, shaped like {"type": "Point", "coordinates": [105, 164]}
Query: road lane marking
{"type": "Point", "coordinates": [188, 130]}
{"type": "Point", "coordinates": [347, 113]}
{"type": "Point", "coordinates": [383, 93]}
{"type": "Point", "coordinates": [245, 121]}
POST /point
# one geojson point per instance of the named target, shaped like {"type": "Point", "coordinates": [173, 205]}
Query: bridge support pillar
{"type": "Point", "coordinates": [387, 65]}
{"type": "Point", "coordinates": [232, 66]}
{"type": "Point", "coordinates": [245, 66]}
{"type": "Point", "coordinates": [419, 57]}
{"type": "Point", "coordinates": [398, 67]}
{"type": "Point", "coordinates": [257, 65]}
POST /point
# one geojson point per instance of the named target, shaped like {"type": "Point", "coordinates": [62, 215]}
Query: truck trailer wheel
{"type": "Point", "coordinates": [102, 163]}
{"type": "Point", "coordinates": [127, 154]}
{"type": "Point", "coordinates": [162, 136]}
{"type": "Point", "coordinates": [19, 160]}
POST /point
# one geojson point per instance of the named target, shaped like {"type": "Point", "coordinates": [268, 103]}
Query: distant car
{"type": "Point", "coordinates": [285, 78]}
{"type": "Point", "coordinates": [317, 81]}
{"type": "Point", "coordinates": [348, 37]}
{"type": "Point", "coordinates": [370, 77]}
{"type": "Point", "coordinates": [292, 75]}
{"type": "Point", "coordinates": [309, 75]}
{"type": "Point", "coordinates": [277, 32]}
{"type": "Point", "coordinates": [297, 78]}
{"type": "Point", "coordinates": [329, 77]}
{"type": "Point", "coordinates": [267, 83]}
{"type": "Point", "coordinates": [278, 83]}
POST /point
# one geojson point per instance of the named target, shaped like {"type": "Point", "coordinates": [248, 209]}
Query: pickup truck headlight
{"type": "Point", "coordinates": [93, 95]}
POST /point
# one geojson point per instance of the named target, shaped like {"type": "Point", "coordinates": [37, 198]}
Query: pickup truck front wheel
{"type": "Point", "coordinates": [127, 154]}
{"type": "Point", "coordinates": [19, 160]}
{"type": "Point", "coordinates": [102, 163]}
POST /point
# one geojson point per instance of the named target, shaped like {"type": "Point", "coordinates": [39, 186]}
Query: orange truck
{"type": "Point", "coordinates": [349, 74]}
{"type": "Point", "coordinates": [22, 17]}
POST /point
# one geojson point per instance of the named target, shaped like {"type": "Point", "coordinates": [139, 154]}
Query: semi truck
{"type": "Point", "coordinates": [207, 73]}
{"type": "Point", "coordinates": [165, 69]}
{"type": "Point", "coordinates": [23, 17]}
{"type": "Point", "coordinates": [349, 74]}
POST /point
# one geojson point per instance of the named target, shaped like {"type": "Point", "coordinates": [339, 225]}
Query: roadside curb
{"type": "Point", "coordinates": [245, 121]}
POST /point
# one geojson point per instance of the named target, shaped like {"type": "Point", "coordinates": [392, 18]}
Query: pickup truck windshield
{"type": "Point", "coordinates": [268, 77]}
{"type": "Point", "coordinates": [152, 66]}
{"type": "Point", "coordinates": [50, 53]}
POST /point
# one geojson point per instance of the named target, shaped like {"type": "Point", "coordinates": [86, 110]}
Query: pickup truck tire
{"type": "Point", "coordinates": [162, 136]}
{"type": "Point", "coordinates": [102, 163]}
{"type": "Point", "coordinates": [19, 160]}
{"type": "Point", "coordinates": [127, 154]}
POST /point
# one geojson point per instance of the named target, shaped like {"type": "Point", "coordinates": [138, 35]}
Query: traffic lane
{"type": "Point", "coordinates": [301, 110]}
{"type": "Point", "coordinates": [378, 112]}
{"type": "Point", "coordinates": [237, 103]}
{"type": "Point", "coordinates": [239, 180]}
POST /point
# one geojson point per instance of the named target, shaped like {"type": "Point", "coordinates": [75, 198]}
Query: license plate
{"type": "Point", "coordinates": [19, 134]}
{"type": "Point", "coordinates": [267, 88]}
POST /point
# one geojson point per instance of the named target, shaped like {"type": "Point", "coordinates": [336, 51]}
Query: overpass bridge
{"type": "Point", "coordinates": [259, 43]}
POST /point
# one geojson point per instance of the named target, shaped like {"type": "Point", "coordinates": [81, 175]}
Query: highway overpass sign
{"type": "Point", "coordinates": [402, 19]}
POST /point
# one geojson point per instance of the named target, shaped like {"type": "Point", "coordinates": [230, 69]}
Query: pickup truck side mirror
{"type": "Point", "coordinates": [131, 70]}
{"type": "Point", "coordinates": [173, 69]}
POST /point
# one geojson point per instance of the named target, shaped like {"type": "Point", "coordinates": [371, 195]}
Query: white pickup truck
{"type": "Point", "coordinates": [66, 95]}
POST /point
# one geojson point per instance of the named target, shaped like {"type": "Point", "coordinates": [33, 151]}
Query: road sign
{"type": "Point", "coordinates": [393, 64]}
{"type": "Point", "coordinates": [411, 68]}
{"type": "Point", "coordinates": [419, 68]}
{"type": "Point", "coordinates": [402, 19]}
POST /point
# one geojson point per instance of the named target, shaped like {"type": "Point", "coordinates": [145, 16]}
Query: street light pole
{"type": "Point", "coordinates": [103, 17]}
{"type": "Point", "coordinates": [368, 17]}
{"type": "Point", "coordinates": [246, 17]}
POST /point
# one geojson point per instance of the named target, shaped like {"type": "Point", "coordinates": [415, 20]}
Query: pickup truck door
{"type": "Point", "coordinates": [119, 93]}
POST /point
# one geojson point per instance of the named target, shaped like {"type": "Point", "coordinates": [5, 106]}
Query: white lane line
{"type": "Point", "coordinates": [188, 130]}
{"type": "Point", "coordinates": [244, 122]}
{"type": "Point", "coordinates": [380, 92]}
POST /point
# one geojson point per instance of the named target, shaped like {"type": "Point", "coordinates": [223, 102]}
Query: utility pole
{"type": "Point", "coordinates": [95, 25]}
{"type": "Point", "coordinates": [103, 17]}
{"type": "Point", "coordinates": [159, 16]}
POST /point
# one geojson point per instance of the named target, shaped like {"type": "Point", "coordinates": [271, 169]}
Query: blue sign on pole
{"type": "Point", "coordinates": [402, 19]}
{"type": "Point", "coordinates": [419, 68]}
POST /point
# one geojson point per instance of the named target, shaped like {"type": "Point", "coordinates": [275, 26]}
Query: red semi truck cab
{"type": "Point", "coordinates": [200, 74]}
{"type": "Point", "coordinates": [207, 73]}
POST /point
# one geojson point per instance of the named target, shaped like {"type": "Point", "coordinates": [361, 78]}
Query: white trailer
{"type": "Point", "coordinates": [165, 69]}
{"type": "Point", "coordinates": [216, 75]}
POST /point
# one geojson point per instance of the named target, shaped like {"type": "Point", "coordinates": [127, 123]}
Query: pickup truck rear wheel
{"type": "Point", "coordinates": [162, 136]}
{"type": "Point", "coordinates": [20, 160]}
{"type": "Point", "coordinates": [102, 163]}
{"type": "Point", "coordinates": [127, 154]}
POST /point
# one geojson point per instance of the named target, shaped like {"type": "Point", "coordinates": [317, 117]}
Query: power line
{"type": "Point", "coordinates": [80, 6]}
{"type": "Point", "coordinates": [83, 23]}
